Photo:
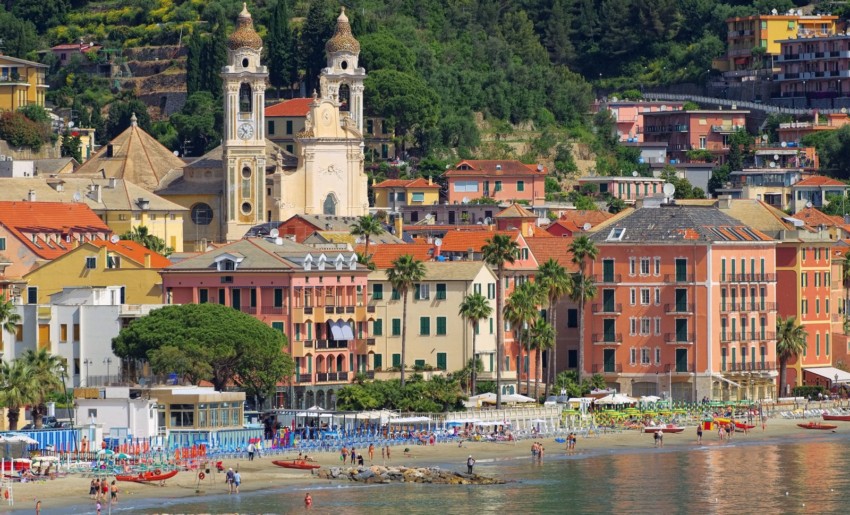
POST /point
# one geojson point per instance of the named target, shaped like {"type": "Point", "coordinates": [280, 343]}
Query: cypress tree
{"type": "Point", "coordinates": [281, 44]}
{"type": "Point", "coordinates": [318, 29]}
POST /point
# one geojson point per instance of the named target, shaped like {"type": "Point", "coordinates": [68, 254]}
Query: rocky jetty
{"type": "Point", "coordinates": [378, 474]}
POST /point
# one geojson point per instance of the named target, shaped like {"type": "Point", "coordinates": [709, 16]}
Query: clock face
{"type": "Point", "coordinates": [245, 131]}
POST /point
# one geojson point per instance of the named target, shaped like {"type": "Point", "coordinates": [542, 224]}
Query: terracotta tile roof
{"type": "Point", "coordinates": [447, 227]}
{"type": "Point", "coordinates": [544, 249]}
{"type": "Point", "coordinates": [566, 224]}
{"type": "Point", "coordinates": [383, 255]}
{"type": "Point", "coordinates": [462, 241]}
{"type": "Point", "coordinates": [135, 251]}
{"type": "Point", "coordinates": [819, 180]}
{"type": "Point", "coordinates": [581, 217]}
{"type": "Point", "coordinates": [87, 47]}
{"type": "Point", "coordinates": [57, 219]}
{"type": "Point", "coordinates": [812, 217]}
{"type": "Point", "coordinates": [515, 211]}
{"type": "Point", "coordinates": [406, 183]}
{"type": "Point", "coordinates": [292, 107]}
{"type": "Point", "coordinates": [478, 167]}
{"type": "Point", "coordinates": [540, 232]}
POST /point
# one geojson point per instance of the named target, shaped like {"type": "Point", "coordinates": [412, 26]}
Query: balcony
{"type": "Point", "coordinates": [747, 337]}
{"type": "Point", "coordinates": [329, 310]}
{"type": "Point", "coordinates": [740, 307]}
{"type": "Point", "coordinates": [676, 369]}
{"type": "Point", "coordinates": [679, 338]}
{"type": "Point", "coordinates": [758, 366]}
{"type": "Point", "coordinates": [608, 278]}
{"type": "Point", "coordinates": [608, 338]}
{"type": "Point", "coordinates": [249, 310]}
{"type": "Point", "coordinates": [679, 308]}
{"type": "Point", "coordinates": [370, 341]}
{"type": "Point", "coordinates": [747, 278]}
{"type": "Point", "coordinates": [607, 308]}
{"type": "Point", "coordinates": [679, 278]}
{"type": "Point", "coordinates": [273, 310]}
{"type": "Point", "coordinates": [616, 368]}
{"type": "Point", "coordinates": [370, 309]}
{"type": "Point", "coordinates": [331, 377]}
{"type": "Point", "coordinates": [332, 344]}
{"type": "Point", "coordinates": [726, 129]}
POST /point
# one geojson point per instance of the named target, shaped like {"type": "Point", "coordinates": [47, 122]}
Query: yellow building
{"type": "Point", "coordinates": [765, 31]}
{"type": "Point", "coordinates": [22, 83]}
{"type": "Point", "coordinates": [121, 204]}
{"type": "Point", "coordinates": [102, 263]}
{"type": "Point", "coordinates": [394, 194]}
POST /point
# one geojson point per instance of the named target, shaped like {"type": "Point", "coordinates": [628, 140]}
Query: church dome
{"type": "Point", "coordinates": [342, 40]}
{"type": "Point", "coordinates": [244, 35]}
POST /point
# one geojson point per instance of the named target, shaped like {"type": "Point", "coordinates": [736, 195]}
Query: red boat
{"type": "Point", "coordinates": [147, 477]}
{"type": "Point", "coordinates": [738, 423]}
{"type": "Point", "coordinates": [842, 418]}
{"type": "Point", "coordinates": [296, 464]}
{"type": "Point", "coordinates": [669, 428]}
{"type": "Point", "coordinates": [817, 425]}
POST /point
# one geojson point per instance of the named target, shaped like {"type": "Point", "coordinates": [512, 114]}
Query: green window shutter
{"type": "Point", "coordinates": [277, 326]}
{"type": "Point", "coordinates": [236, 298]}
{"type": "Point", "coordinates": [377, 291]}
{"type": "Point", "coordinates": [298, 332]}
{"type": "Point", "coordinates": [278, 297]}
{"type": "Point", "coordinates": [2, 243]}
{"type": "Point", "coordinates": [476, 288]}
{"type": "Point", "coordinates": [309, 331]}
{"type": "Point", "coordinates": [424, 326]}
{"type": "Point", "coordinates": [221, 296]}
{"type": "Point", "coordinates": [379, 361]}
{"type": "Point", "coordinates": [203, 295]}
{"type": "Point", "coordinates": [520, 186]}
{"type": "Point", "coordinates": [441, 326]}
{"type": "Point", "coordinates": [396, 360]}
{"type": "Point", "coordinates": [309, 364]}
{"type": "Point", "coordinates": [395, 295]}
{"type": "Point", "coordinates": [441, 291]}
{"type": "Point", "coordinates": [419, 362]}
{"type": "Point", "coordinates": [253, 297]}
{"type": "Point", "coordinates": [415, 292]}
{"type": "Point", "coordinates": [378, 327]}
{"type": "Point", "coordinates": [491, 326]}
{"type": "Point", "coordinates": [396, 327]}
{"type": "Point", "coordinates": [441, 361]}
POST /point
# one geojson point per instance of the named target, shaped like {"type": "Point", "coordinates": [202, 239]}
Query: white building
{"type": "Point", "coordinates": [114, 409]}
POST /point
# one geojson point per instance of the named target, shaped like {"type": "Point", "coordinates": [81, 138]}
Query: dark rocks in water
{"type": "Point", "coordinates": [433, 475]}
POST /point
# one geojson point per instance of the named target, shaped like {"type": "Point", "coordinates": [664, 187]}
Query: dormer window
{"type": "Point", "coordinates": [228, 262]}
{"type": "Point", "coordinates": [322, 260]}
{"type": "Point", "coordinates": [339, 262]}
{"type": "Point", "coordinates": [308, 262]}
{"type": "Point", "coordinates": [227, 265]}
{"type": "Point", "coordinates": [616, 234]}
{"type": "Point", "coordinates": [352, 263]}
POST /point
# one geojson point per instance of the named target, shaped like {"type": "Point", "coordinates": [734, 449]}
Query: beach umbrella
{"type": "Point", "coordinates": [108, 453]}
{"type": "Point", "coordinates": [122, 456]}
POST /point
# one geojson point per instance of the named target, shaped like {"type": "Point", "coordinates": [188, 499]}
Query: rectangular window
{"type": "Point", "coordinates": [270, 128]}
{"type": "Point", "coordinates": [2, 243]}
{"type": "Point", "coordinates": [221, 296]}
{"type": "Point", "coordinates": [681, 329]}
{"type": "Point", "coordinates": [424, 326]}
{"type": "Point", "coordinates": [657, 296]}
{"type": "Point", "coordinates": [203, 296]}
{"type": "Point", "coordinates": [491, 291]}
{"type": "Point", "coordinates": [417, 196]}
{"type": "Point", "coordinates": [441, 326]}
{"type": "Point", "coordinates": [491, 325]}
{"type": "Point", "coordinates": [441, 361]}
{"type": "Point", "coordinates": [289, 126]}
{"type": "Point", "coordinates": [395, 295]}
{"type": "Point", "coordinates": [632, 266]}
{"type": "Point", "coordinates": [277, 326]}
{"type": "Point", "coordinates": [723, 329]}
{"type": "Point", "coordinates": [723, 359]}
{"type": "Point", "coordinates": [804, 307]}
{"type": "Point", "coordinates": [644, 356]}
{"type": "Point", "coordinates": [608, 270]}
{"type": "Point", "coordinates": [76, 332]}
{"type": "Point", "coordinates": [298, 332]}
{"type": "Point", "coordinates": [423, 291]}
{"type": "Point", "coordinates": [657, 356]}
{"type": "Point", "coordinates": [396, 327]}
{"type": "Point", "coordinates": [63, 332]}
{"type": "Point", "coordinates": [657, 270]}
{"type": "Point", "coordinates": [476, 288]}
{"type": "Point", "coordinates": [644, 266]}
{"type": "Point", "coordinates": [396, 360]}
{"type": "Point", "coordinates": [644, 296]}
{"type": "Point", "coordinates": [826, 340]}
{"type": "Point", "coordinates": [633, 326]}
{"type": "Point", "coordinates": [681, 270]}
{"type": "Point", "coordinates": [572, 318]}
{"type": "Point", "coordinates": [657, 325]}
{"type": "Point", "coordinates": [377, 292]}
{"type": "Point", "coordinates": [32, 295]}
{"type": "Point", "coordinates": [632, 355]}
{"type": "Point", "coordinates": [524, 254]}
{"type": "Point", "coordinates": [253, 297]}
{"type": "Point", "coordinates": [632, 296]}
{"type": "Point", "coordinates": [520, 186]}
{"type": "Point", "coordinates": [441, 291]}
{"type": "Point", "coordinates": [91, 262]}
{"type": "Point", "coordinates": [278, 297]}
{"type": "Point", "coordinates": [817, 280]}
{"type": "Point", "coordinates": [645, 326]}
{"type": "Point", "coordinates": [722, 299]}
{"type": "Point", "coordinates": [378, 327]}
{"type": "Point", "coordinates": [804, 279]}
{"type": "Point", "coordinates": [723, 269]}
{"type": "Point", "coordinates": [498, 186]}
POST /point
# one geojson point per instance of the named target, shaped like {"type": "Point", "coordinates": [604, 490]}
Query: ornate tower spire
{"type": "Point", "coordinates": [342, 80]}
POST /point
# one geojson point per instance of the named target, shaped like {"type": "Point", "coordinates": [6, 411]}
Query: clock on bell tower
{"type": "Point", "coordinates": [244, 144]}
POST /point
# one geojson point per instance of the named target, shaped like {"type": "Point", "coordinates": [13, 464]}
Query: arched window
{"type": "Point", "coordinates": [202, 214]}
{"type": "Point", "coordinates": [330, 205]}
{"type": "Point", "coordinates": [245, 98]}
{"type": "Point", "coordinates": [344, 97]}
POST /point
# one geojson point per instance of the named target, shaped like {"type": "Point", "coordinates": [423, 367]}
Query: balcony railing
{"type": "Point", "coordinates": [267, 310]}
{"type": "Point", "coordinates": [370, 341]}
{"type": "Point", "coordinates": [679, 308]}
{"type": "Point", "coordinates": [679, 278]}
{"type": "Point", "coordinates": [747, 278]}
{"type": "Point", "coordinates": [609, 308]}
{"type": "Point", "coordinates": [331, 344]}
{"type": "Point", "coordinates": [747, 306]}
{"type": "Point", "coordinates": [326, 377]}
{"type": "Point", "coordinates": [758, 366]}
{"type": "Point", "coordinates": [678, 369]}
{"type": "Point", "coordinates": [370, 309]}
{"type": "Point", "coordinates": [679, 337]}
{"type": "Point", "coordinates": [329, 310]}
{"type": "Point", "coordinates": [308, 344]}
{"type": "Point", "coordinates": [608, 369]}
{"type": "Point", "coordinates": [748, 337]}
{"type": "Point", "coordinates": [608, 278]}
{"type": "Point", "coordinates": [308, 310]}
{"type": "Point", "coordinates": [608, 338]}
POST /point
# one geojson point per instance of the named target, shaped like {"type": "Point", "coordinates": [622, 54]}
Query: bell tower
{"type": "Point", "coordinates": [342, 80]}
{"type": "Point", "coordinates": [244, 145]}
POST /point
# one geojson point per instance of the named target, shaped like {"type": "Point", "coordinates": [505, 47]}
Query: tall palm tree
{"type": "Point", "coordinates": [474, 308]}
{"type": "Point", "coordinates": [9, 318]}
{"type": "Point", "coordinates": [556, 283]}
{"type": "Point", "coordinates": [367, 226]}
{"type": "Point", "coordinates": [583, 251]}
{"type": "Point", "coordinates": [521, 311]}
{"type": "Point", "coordinates": [17, 385]}
{"type": "Point", "coordinates": [542, 338]}
{"type": "Point", "coordinates": [499, 251]}
{"type": "Point", "coordinates": [47, 370]}
{"type": "Point", "coordinates": [143, 237]}
{"type": "Point", "coordinates": [404, 273]}
{"type": "Point", "coordinates": [790, 343]}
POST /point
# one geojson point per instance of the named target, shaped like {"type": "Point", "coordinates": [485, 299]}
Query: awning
{"type": "Point", "coordinates": [336, 331]}
{"type": "Point", "coordinates": [733, 383]}
{"type": "Point", "coordinates": [830, 373]}
{"type": "Point", "coordinates": [347, 333]}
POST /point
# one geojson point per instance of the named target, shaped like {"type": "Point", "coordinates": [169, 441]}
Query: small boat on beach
{"type": "Point", "coordinates": [147, 477]}
{"type": "Point", "coordinates": [296, 464]}
{"type": "Point", "coordinates": [840, 418]}
{"type": "Point", "coordinates": [817, 425]}
{"type": "Point", "coordinates": [738, 423]}
{"type": "Point", "coordinates": [668, 428]}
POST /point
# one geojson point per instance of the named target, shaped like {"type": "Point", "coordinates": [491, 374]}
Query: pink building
{"type": "Point", "coordinates": [629, 115]}
{"type": "Point", "coordinates": [811, 70]}
{"type": "Point", "coordinates": [694, 130]}
{"type": "Point", "coordinates": [505, 181]}
{"type": "Point", "coordinates": [317, 298]}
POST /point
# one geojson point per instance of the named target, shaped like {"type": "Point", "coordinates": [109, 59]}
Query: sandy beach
{"type": "Point", "coordinates": [262, 474]}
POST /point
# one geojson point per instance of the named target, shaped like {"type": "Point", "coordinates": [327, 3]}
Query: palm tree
{"type": "Point", "coordinates": [140, 235]}
{"type": "Point", "coordinates": [521, 311]}
{"type": "Point", "coordinates": [9, 318]}
{"type": "Point", "coordinates": [542, 338]}
{"type": "Point", "coordinates": [404, 273]}
{"type": "Point", "coordinates": [499, 250]}
{"type": "Point", "coordinates": [47, 370]}
{"type": "Point", "coordinates": [556, 283]}
{"type": "Point", "coordinates": [790, 343]}
{"type": "Point", "coordinates": [367, 226]}
{"type": "Point", "coordinates": [17, 384]}
{"type": "Point", "coordinates": [475, 308]}
{"type": "Point", "coordinates": [583, 250]}
{"type": "Point", "coordinates": [367, 261]}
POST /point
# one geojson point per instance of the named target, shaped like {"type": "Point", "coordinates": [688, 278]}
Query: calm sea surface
{"type": "Point", "coordinates": [738, 477]}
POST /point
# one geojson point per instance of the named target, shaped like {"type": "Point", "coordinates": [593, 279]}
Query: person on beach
{"type": "Point", "coordinates": [37, 507]}
{"type": "Point", "coordinates": [655, 436]}
{"type": "Point", "coordinates": [99, 507]}
{"type": "Point", "coordinates": [388, 452]}
{"type": "Point", "coordinates": [114, 492]}
{"type": "Point", "coordinates": [344, 454]}
{"type": "Point", "coordinates": [371, 452]}
{"type": "Point", "coordinates": [84, 445]}
{"type": "Point", "coordinates": [699, 433]}
{"type": "Point", "coordinates": [251, 450]}
{"type": "Point", "coordinates": [720, 431]}
{"type": "Point", "coordinates": [360, 460]}
{"type": "Point", "coordinates": [93, 488]}
{"type": "Point", "coordinates": [308, 500]}
{"type": "Point", "coordinates": [353, 456]}
{"type": "Point", "coordinates": [104, 489]}
{"type": "Point", "coordinates": [228, 478]}
{"type": "Point", "coordinates": [470, 462]}
{"type": "Point", "coordinates": [660, 438]}
{"type": "Point", "coordinates": [383, 453]}
{"type": "Point", "coordinates": [237, 480]}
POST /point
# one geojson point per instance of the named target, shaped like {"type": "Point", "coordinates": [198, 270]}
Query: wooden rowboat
{"type": "Point", "coordinates": [296, 464]}
{"type": "Point", "coordinates": [147, 477]}
{"type": "Point", "coordinates": [817, 425]}
{"type": "Point", "coordinates": [842, 418]}
{"type": "Point", "coordinates": [669, 428]}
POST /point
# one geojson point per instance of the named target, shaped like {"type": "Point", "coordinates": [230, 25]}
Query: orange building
{"type": "Point", "coordinates": [684, 305]}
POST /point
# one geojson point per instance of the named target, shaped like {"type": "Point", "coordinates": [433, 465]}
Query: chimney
{"type": "Point", "coordinates": [112, 182]}
{"type": "Point", "coordinates": [398, 223]}
{"type": "Point", "coordinates": [430, 181]}
{"type": "Point", "coordinates": [31, 196]}
{"type": "Point", "coordinates": [147, 259]}
{"type": "Point", "coordinates": [96, 194]}
{"type": "Point", "coordinates": [144, 203]}
{"type": "Point", "coordinates": [724, 201]}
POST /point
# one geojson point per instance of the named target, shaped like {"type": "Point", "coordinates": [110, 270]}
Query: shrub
{"type": "Point", "coordinates": [20, 131]}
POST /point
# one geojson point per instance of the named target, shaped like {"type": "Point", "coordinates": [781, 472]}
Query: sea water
{"type": "Point", "coordinates": [803, 473]}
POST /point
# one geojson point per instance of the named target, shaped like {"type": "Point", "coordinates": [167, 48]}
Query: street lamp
{"type": "Point", "coordinates": [107, 362]}
{"type": "Point", "coordinates": [64, 369]}
{"type": "Point", "coordinates": [87, 362]}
